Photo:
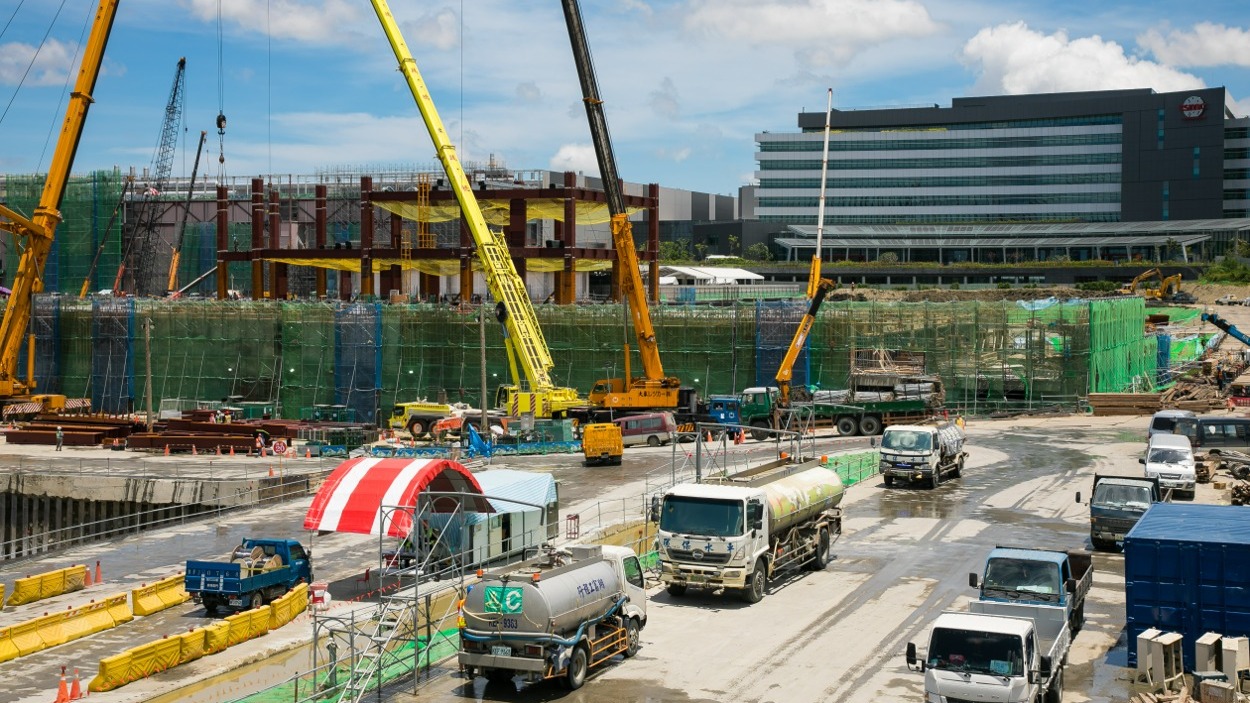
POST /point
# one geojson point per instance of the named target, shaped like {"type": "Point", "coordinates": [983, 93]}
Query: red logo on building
{"type": "Point", "coordinates": [1193, 107]}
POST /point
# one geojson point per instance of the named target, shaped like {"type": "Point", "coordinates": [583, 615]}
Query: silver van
{"type": "Point", "coordinates": [1164, 421]}
{"type": "Point", "coordinates": [1170, 458]}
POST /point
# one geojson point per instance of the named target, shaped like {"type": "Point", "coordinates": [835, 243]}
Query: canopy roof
{"type": "Point", "coordinates": [350, 500]}
{"type": "Point", "coordinates": [503, 487]}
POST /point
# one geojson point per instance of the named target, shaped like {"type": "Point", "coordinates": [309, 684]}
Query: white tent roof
{"type": "Point", "coordinates": [711, 274]}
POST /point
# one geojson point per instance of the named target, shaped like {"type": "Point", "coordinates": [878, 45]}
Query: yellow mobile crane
{"type": "Point", "coordinates": [522, 335]}
{"type": "Point", "coordinates": [653, 389]}
{"type": "Point", "coordinates": [37, 232]}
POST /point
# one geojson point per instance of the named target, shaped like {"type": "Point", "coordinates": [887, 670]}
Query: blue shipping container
{"type": "Point", "coordinates": [1187, 570]}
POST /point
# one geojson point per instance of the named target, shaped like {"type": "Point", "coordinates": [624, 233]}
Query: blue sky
{"type": "Point", "coordinates": [311, 85]}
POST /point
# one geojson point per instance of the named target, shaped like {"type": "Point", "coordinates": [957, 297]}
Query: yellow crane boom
{"type": "Point", "coordinates": [653, 389]}
{"type": "Point", "coordinates": [514, 309]}
{"type": "Point", "coordinates": [37, 232]}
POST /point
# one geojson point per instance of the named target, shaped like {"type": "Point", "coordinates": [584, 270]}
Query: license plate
{"type": "Point", "coordinates": [236, 602]}
{"type": "Point", "coordinates": [500, 650]}
{"type": "Point", "coordinates": [696, 578]}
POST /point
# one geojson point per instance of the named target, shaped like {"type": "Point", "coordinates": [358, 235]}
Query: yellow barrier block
{"type": "Point", "coordinates": [113, 672]}
{"type": "Point", "coordinates": [299, 599]}
{"type": "Point", "coordinates": [26, 637]}
{"type": "Point", "coordinates": [75, 579]}
{"type": "Point", "coordinates": [216, 637]}
{"type": "Point", "coordinates": [192, 645]}
{"type": "Point", "coordinates": [119, 608]}
{"type": "Point", "coordinates": [168, 652]}
{"type": "Point", "coordinates": [260, 621]}
{"type": "Point", "coordinates": [147, 599]}
{"type": "Point", "coordinates": [50, 630]}
{"type": "Point", "coordinates": [172, 591]}
{"type": "Point", "coordinates": [25, 590]}
{"type": "Point", "coordinates": [75, 624]}
{"type": "Point", "coordinates": [97, 616]}
{"type": "Point", "coordinates": [279, 612]}
{"type": "Point", "coordinates": [1, 593]}
{"type": "Point", "coordinates": [142, 662]}
{"type": "Point", "coordinates": [240, 628]}
{"type": "Point", "coordinates": [8, 650]}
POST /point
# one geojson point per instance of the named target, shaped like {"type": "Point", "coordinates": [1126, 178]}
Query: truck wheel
{"type": "Point", "coordinates": [847, 426]}
{"type": "Point", "coordinates": [632, 642]}
{"type": "Point", "coordinates": [575, 675]}
{"type": "Point", "coordinates": [416, 428]}
{"type": "Point", "coordinates": [1054, 694]}
{"type": "Point", "coordinates": [653, 441]}
{"type": "Point", "coordinates": [889, 480]}
{"type": "Point", "coordinates": [869, 425]}
{"type": "Point", "coordinates": [935, 479]}
{"type": "Point", "coordinates": [760, 431]}
{"type": "Point", "coordinates": [257, 600]}
{"type": "Point", "coordinates": [754, 591]}
{"type": "Point", "coordinates": [676, 590]}
{"type": "Point", "coordinates": [959, 468]}
{"type": "Point", "coordinates": [821, 558]}
{"type": "Point", "coordinates": [210, 606]}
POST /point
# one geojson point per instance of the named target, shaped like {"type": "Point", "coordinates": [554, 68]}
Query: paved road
{"type": "Point", "coordinates": [833, 635]}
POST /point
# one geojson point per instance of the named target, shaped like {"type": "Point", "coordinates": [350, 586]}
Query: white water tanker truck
{"type": "Point", "coordinates": [554, 616]}
{"type": "Point", "coordinates": [924, 453]}
{"type": "Point", "coordinates": [733, 533]}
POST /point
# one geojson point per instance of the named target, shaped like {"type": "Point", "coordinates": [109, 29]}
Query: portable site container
{"type": "Point", "coordinates": [1187, 570]}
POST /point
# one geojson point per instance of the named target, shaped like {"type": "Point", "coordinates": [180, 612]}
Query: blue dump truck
{"type": "Point", "coordinates": [259, 570]}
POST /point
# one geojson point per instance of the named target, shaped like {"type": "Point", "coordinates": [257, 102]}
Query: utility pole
{"type": "Point", "coordinates": [147, 352]}
{"type": "Point", "coordinates": [481, 333]}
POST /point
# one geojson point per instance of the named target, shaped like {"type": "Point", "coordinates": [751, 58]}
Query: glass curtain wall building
{"type": "Point", "coordinates": [1105, 157]}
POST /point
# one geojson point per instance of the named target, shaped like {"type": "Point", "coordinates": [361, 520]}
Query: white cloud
{"type": "Point", "coordinates": [664, 100]}
{"type": "Point", "coordinates": [1240, 108]}
{"type": "Point", "coordinates": [528, 92]}
{"type": "Point", "coordinates": [822, 32]}
{"type": "Point", "coordinates": [51, 67]}
{"type": "Point", "coordinates": [1013, 59]}
{"type": "Point", "coordinates": [301, 20]}
{"type": "Point", "coordinates": [678, 154]}
{"type": "Point", "coordinates": [575, 157]}
{"type": "Point", "coordinates": [1207, 44]}
{"type": "Point", "coordinates": [440, 29]}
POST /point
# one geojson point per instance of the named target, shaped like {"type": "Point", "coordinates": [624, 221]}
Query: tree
{"type": "Point", "coordinates": [700, 251]}
{"type": "Point", "coordinates": [758, 252]}
{"type": "Point", "coordinates": [678, 250]}
{"type": "Point", "coordinates": [887, 257]}
{"type": "Point", "coordinates": [733, 244]}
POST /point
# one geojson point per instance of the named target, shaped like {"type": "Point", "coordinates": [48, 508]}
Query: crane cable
{"type": "Point", "coordinates": [221, 102]}
{"type": "Point", "coordinates": [33, 56]}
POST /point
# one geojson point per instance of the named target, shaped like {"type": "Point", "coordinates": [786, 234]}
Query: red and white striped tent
{"type": "Point", "coordinates": [351, 498]}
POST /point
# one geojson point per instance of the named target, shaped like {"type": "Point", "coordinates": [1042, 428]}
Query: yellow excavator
{"type": "Point", "coordinates": [35, 233]}
{"type": "Point", "coordinates": [653, 389]}
{"type": "Point", "coordinates": [1130, 288]}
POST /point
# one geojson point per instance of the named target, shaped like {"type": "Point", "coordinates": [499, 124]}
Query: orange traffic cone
{"type": "Point", "coordinates": [194, 452]}
{"type": "Point", "coordinates": [709, 436]}
{"type": "Point", "coordinates": [98, 577]}
{"type": "Point", "coordinates": [307, 453]}
{"type": "Point", "coordinates": [86, 577]}
{"type": "Point", "coordinates": [62, 691]}
{"type": "Point", "coordinates": [738, 438]}
{"type": "Point", "coordinates": [218, 450]}
{"type": "Point", "coordinates": [231, 450]}
{"type": "Point", "coordinates": [75, 689]}
{"type": "Point", "coordinates": [166, 450]}
{"type": "Point", "coordinates": [271, 472]}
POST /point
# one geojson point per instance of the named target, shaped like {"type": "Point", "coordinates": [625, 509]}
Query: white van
{"type": "Point", "coordinates": [1170, 458]}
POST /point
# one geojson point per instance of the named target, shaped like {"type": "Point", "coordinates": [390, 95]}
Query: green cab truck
{"type": "Point", "coordinates": [872, 402]}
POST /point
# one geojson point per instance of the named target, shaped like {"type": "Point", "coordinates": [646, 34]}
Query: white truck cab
{"type": "Point", "coordinates": [1170, 458]}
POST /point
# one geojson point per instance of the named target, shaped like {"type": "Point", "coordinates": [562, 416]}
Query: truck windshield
{"type": "Point", "coordinates": [906, 440]}
{"type": "Point", "coordinates": [1108, 495]}
{"type": "Point", "coordinates": [702, 516]}
{"type": "Point", "coordinates": [1022, 576]}
{"type": "Point", "coordinates": [976, 652]}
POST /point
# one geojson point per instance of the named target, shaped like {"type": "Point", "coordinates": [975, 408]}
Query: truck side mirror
{"type": "Point", "coordinates": [872, 442]}
{"type": "Point", "coordinates": [913, 661]}
{"type": "Point", "coordinates": [1070, 584]}
{"type": "Point", "coordinates": [1141, 460]}
{"type": "Point", "coordinates": [972, 580]}
{"type": "Point", "coordinates": [1043, 669]}
{"type": "Point", "coordinates": [755, 514]}
{"type": "Point", "coordinates": [1078, 496]}
{"type": "Point", "coordinates": [653, 514]}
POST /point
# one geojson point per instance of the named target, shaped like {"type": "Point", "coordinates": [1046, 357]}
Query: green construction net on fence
{"type": "Point", "coordinates": [368, 356]}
